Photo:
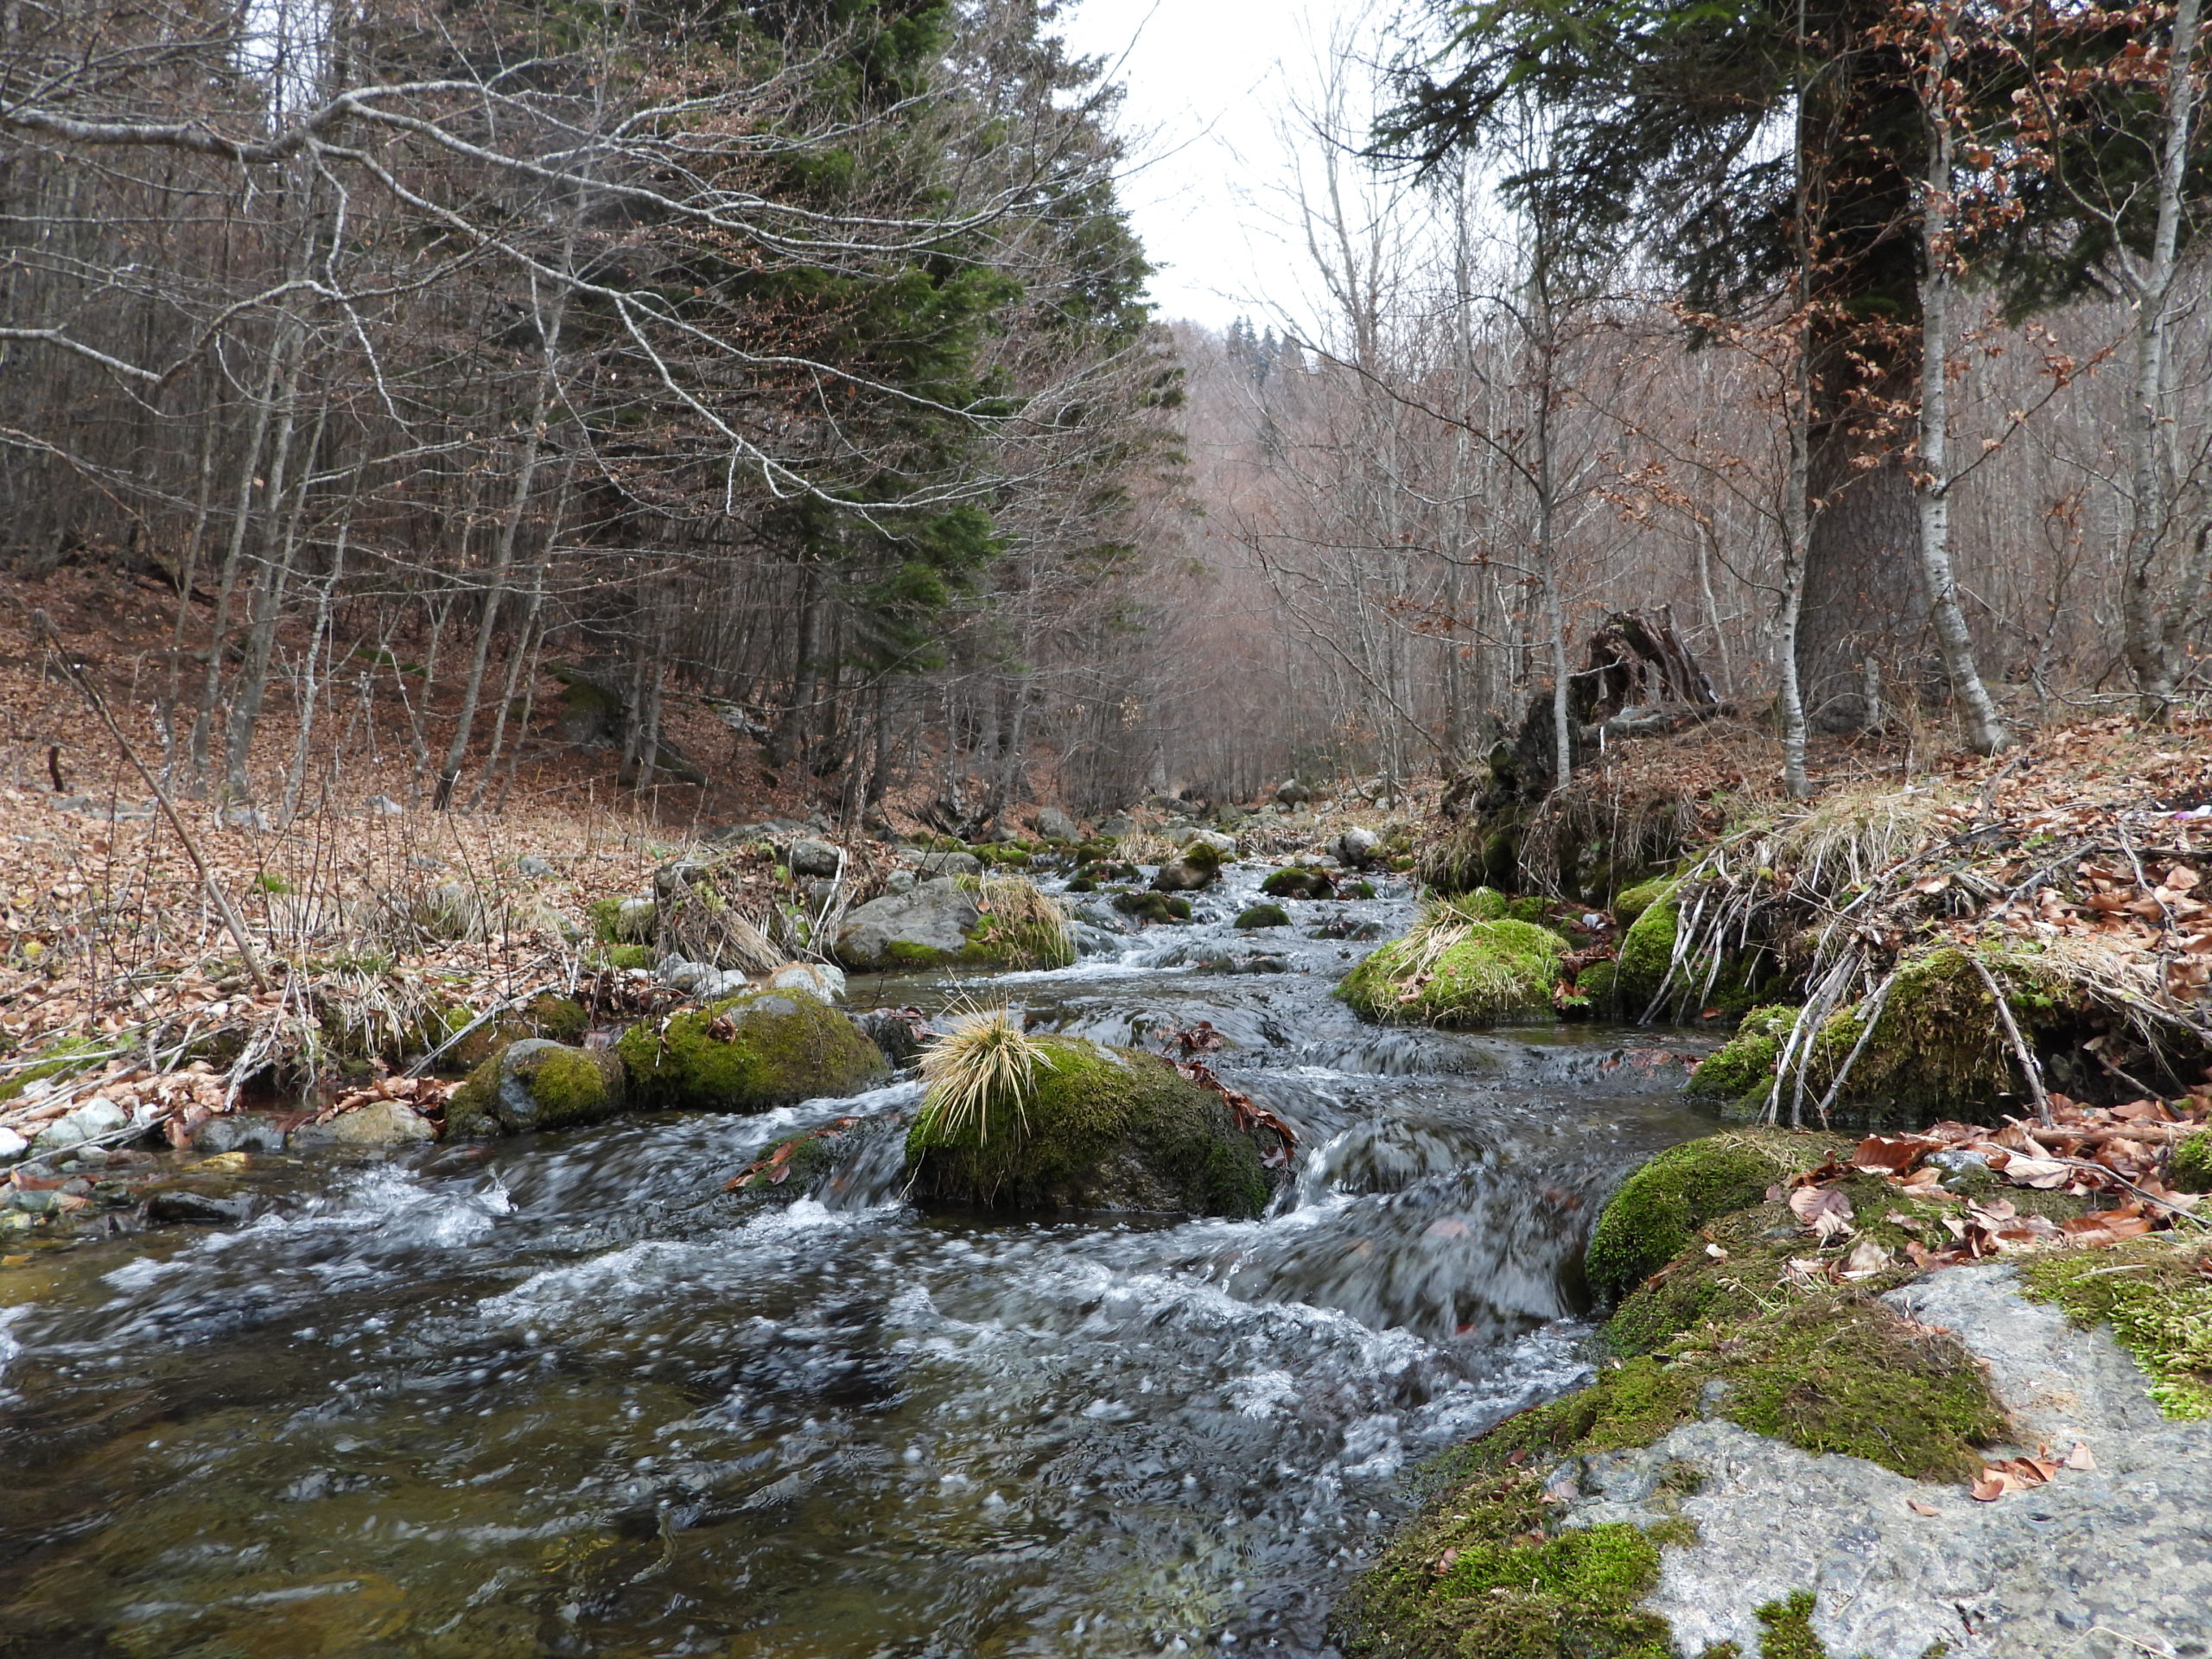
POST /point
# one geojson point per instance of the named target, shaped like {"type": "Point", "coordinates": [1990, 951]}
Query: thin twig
{"type": "Point", "coordinates": [2029, 1067]}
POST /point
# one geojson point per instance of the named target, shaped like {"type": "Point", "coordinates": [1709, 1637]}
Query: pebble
{"type": "Point", "coordinates": [12, 1145]}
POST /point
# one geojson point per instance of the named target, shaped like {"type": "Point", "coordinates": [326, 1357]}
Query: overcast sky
{"type": "Point", "coordinates": [1210, 82]}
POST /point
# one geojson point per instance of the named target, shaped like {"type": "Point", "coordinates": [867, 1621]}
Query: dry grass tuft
{"type": "Point", "coordinates": [979, 1071]}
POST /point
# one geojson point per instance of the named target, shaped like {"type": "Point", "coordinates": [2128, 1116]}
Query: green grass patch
{"type": "Point", "coordinates": [2156, 1293]}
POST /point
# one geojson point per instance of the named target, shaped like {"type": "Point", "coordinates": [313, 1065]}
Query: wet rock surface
{"type": "Point", "coordinates": [2105, 1561]}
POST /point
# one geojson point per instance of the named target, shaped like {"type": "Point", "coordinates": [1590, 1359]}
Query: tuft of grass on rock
{"type": "Point", "coordinates": [981, 1075]}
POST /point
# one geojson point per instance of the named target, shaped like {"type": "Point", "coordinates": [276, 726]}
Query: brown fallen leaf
{"type": "Point", "coordinates": [2080, 1457]}
{"type": "Point", "coordinates": [1823, 1211]}
{"type": "Point", "coordinates": [1919, 1507]}
{"type": "Point", "coordinates": [1867, 1259]}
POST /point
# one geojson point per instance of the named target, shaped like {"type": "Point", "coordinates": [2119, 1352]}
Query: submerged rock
{"type": "Point", "coordinates": [1102, 1128]}
{"type": "Point", "coordinates": [749, 1053]}
{"type": "Point", "coordinates": [537, 1084]}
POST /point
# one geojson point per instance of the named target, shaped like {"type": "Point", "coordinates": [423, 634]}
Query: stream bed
{"type": "Point", "coordinates": [559, 1395]}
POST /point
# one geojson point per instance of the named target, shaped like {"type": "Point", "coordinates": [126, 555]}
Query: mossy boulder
{"type": "Point", "coordinates": [1496, 970]}
{"type": "Point", "coordinates": [1744, 1066]}
{"type": "Point", "coordinates": [1630, 903]}
{"type": "Point", "coordinates": [1153, 906]}
{"type": "Point", "coordinates": [623, 921]}
{"type": "Point", "coordinates": [536, 1084]}
{"type": "Point", "coordinates": [1295, 882]}
{"type": "Point", "coordinates": [1595, 986]}
{"type": "Point", "coordinates": [969, 921]}
{"type": "Point", "coordinates": [1197, 866]}
{"type": "Point", "coordinates": [59, 1058]}
{"type": "Point", "coordinates": [1263, 916]}
{"type": "Point", "coordinates": [1657, 1210]}
{"type": "Point", "coordinates": [2191, 1168]}
{"type": "Point", "coordinates": [1939, 1048]}
{"type": "Point", "coordinates": [559, 1019]}
{"type": "Point", "coordinates": [1103, 1128]}
{"type": "Point", "coordinates": [749, 1053]}
{"type": "Point", "coordinates": [1647, 949]}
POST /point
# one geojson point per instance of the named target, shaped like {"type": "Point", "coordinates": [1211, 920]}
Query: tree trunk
{"type": "Point", "coordinates": [1862, 589]}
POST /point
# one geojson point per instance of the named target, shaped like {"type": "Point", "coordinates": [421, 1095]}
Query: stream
{"type": "Point", "coordinates": [559, 1395]}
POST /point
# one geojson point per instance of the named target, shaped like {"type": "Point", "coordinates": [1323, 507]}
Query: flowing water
{"type": "Point", "coordinates": [558, 1396]}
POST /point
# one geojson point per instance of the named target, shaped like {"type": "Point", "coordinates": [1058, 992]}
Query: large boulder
{"type": "Point", "coordinates": [975, 921]}
{"type": "Point", "coordinates": [749, 1053]}
{"type": "Point", "coordinates": [1056, 826]}
{"type": "Point", "coordinates": [537, 1084]}
{"type": "Point", "coordinates": [1102, 1128]}
{"type": "Point", "coordinates": [1357, 849]}
{"type": "Point", "coordinates": [1485, 972]}
{"type": "Point", "coordinates": [810, 858]}
{"type": "Point", "coordinates": [919, 929]}
{"type": "Point", "coordinates": [1197, 868]}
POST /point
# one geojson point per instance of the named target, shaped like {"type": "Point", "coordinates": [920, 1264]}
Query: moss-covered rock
{"type": "Point", "coordinates": [1494, 970]}
{"type": "Point", "coordinates": [1102, 1130]}
{"type": "Point", "coordinates": [1939, 1049]}
{"type": "Point", "coordinates": [749, 1053]}
{"type": "Point", "coordinates": [537, 1084]}
{"type": "Point", "coordinates": [2191, 1168]}
{"type": "Point", "coordinates": [623, 921]}
{"type": "Point", "coordinates": [1480, 1574]}
{"type": "Point", "coordinates": [1596, 986]}
{"type": "Point", "coordinates": [1744, 1066]}
{"type": "Point", "coordinates": [1295, 882]}
{"type": "Point", "coordinates": [1486, 1570]}
{"type": "Point", "coordinates": [1658, 1210]}
{"type": "Point", "coordinates": [1630, 903]}
{"type": "Point", "coordinates": [558, 1019]}
{"type": "Point", "coordinates": [1647, 949]}
{"type": "Point", "coordinates": [59, 1058]}
{"type": "Point", "coordinates": [1263, 916]}
{"type": "Point", "coordinates": [2156, 1293]}
{"type": "Point", "coordinates": [1153, 906]}
{"type": "Point", "coordinates": [972, 921]}
{"type": "Point", "coordinates": [1197, 866]}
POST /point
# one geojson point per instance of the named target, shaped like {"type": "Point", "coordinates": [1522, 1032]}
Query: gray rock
{"type": "Point", "coordinates": [820, 978]}
{"type": "Point", "coordinates": [1356, 849]}
{"type": "Point", "coordinates": [63, 1131]}
{"type": "Point", "coordinates": [702, 981]}
{"type": "Point", "coordinates": [12, 1145]}
{"type": "Point", "coordinates": [2099, 1563]}
{"type": "Point", "coordinates": [1103, 917]}
{"type": "Point", "coordinates": [181, 1207]}
{"type": "Point", "coordinates": [246, 818]}
{"type": "Point", "coordinates": [1185, 875]}
{"type": "Point", "coordinates": [1120, 823]}
{"type": "Point", "coordinates": [931, 864]}
{"type": "Point", "coordinates": [239, 1132]}
{"type": "Point", "coordinates": [634, 920]}
{"type": "Point", "coordinates": [1094, 941]}
{"type": "Point", "coordinates": [384, 806]}
{"type": "Point", "coordinates": [810, 858]}
{"type": "Point", "coordinates": [899, 881]}
{"type": "Point", "coordinates": [425, 862]}
{"type": "Point", "coordinates": [379, 1124]}
{"type": "Point", "coordinates": [898, 1033]}
{"type": "Point", "coordinates": [726, 835]}
{"type": "Point", "coordinates": [908, 929]}
{"type": "Point", "coordinates": [821, 891]}
{"type": "Point", "coordinates": [1294, 793]}
{"type": "Point", "coordinates": [531, 865]}
{"type": "Point", "coordinates": [36, 1202]}
{"type": "Point", "coordinates": [1225, 845]}
{"type": "Point", "coordinates": [1055, 825]}
{"type": "Point", "coordinates": [101, 1115]}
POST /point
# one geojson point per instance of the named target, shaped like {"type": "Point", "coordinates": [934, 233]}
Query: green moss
{"type": "Point", "coordinates": [1017, 927]}
{"type": "Point", "coordinates": [749, 1052]}
{"type": "Point", "coordinates": [1646, 950]}
{"type": "Point", "coordinates": [1498, 970]}
{"type": "Point", "coordinates": [537, 1084]}
{"type": "Point", "coordinates": [1657, 1210]}
{"type": "Point", "coordinates": [1153, 906]}
{"type": "Point", "coordinates": [2156, 1293]}
{"type": "Point", "coordinates": [1479, 1576]}
{"type": "Point", "coordinates": [1631, 903]}
{"type": "Point", "coordinates": [1203, 856]}
{"type": "Point", "coordinates": [626, 956]}
{"type": "Point", "coordinates": [1361, 890]}
{"type": "Point", "coordinates": [905, 953]}
{"type": "Point", "coordinates": [1745, 1063]}
{"type": "Point", "coordinates": [62, 1057]}
{"type": "Point", "coordinates": [1838, 1373]}
{"type": "Point", "coordinates": [1530, 909]}
{"type": "Point", "coordinates": [2191, 1168]}
{"type": "Point", "coordinates": [1938, 1051]}
{"type": "Point", "coordinates": [559, 1018]}
{"type": "Point", "coordinates": [1103, 1128]}
{"type": "Point", "coordinates": [1595, 985]}
{"type": "Point", "coordinates": [1263, 916]}
{"type": "Point", "coordinates": [1294, 882]}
